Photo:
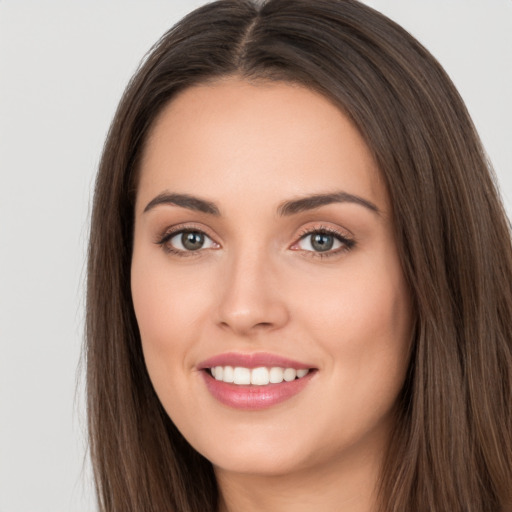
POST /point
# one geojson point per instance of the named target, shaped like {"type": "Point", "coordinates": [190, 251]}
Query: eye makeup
{"type": "Point", "coordinates": [323, 239]}
{"type": "Point", "coordinates": [185, 240]}
{"type": "Point", "coordinates": [193, 240]}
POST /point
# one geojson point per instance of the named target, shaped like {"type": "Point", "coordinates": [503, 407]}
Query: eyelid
{"type": "Point", "coordinates": [181, 226]}
{"type": "Point", "coordinates": [171, 231]}
{"type": "Point", "coordinates": [343, 236]}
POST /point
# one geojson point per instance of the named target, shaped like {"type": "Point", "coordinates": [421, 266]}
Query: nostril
{"type": "Point", "coordinates": [263, 324]}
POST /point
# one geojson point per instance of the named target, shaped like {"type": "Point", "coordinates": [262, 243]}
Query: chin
{"type": "Point", "coordinates": [258, 462]}
{"type": "Point", "coordinates": [259, 450]}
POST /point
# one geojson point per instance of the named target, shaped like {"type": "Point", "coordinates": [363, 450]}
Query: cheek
{"type": "Point", "coordinates": [151, 303]}
{"type": "Point", "coordinates": [168, 305]}
{"type": "Point", "coordinates": [170, 308]}
{"type": "Point", "coordinates": [362, 319]}
{"type": "Point", "coordinates": [161, 310]}
{"type": "Point", "coordinates": [363, 325]}
{"type": "Point", "coordinates": [363, 298]}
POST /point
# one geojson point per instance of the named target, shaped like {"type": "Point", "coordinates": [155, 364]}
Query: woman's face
{"type": "Point", "coordinates": [264, 243]}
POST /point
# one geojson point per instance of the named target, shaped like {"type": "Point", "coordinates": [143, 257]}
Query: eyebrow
{"type": "Point", "coordinates": [285, 209]}
{"type": "Point", "coordinates": [185, 201]}
{"type": "Point", "coordinates": [318, 200]}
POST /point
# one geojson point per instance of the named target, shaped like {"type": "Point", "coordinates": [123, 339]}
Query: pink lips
{"type": "Point", "coordinates": [251, 361]}
{"type": "Point", "coordinates": [251, 397]}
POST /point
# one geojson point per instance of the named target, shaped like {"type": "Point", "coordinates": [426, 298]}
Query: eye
{"type": "Point", "coordinates": [186, 241]}
{"type": "Point", "coordinates": [323, 242]}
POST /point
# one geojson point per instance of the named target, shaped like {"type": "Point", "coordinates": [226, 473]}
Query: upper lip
{"type": "Point", "coordinates": [254, 360]}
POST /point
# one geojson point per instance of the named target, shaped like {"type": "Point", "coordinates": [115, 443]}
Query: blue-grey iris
{"type": "Point", "coordinates": [322, 242]}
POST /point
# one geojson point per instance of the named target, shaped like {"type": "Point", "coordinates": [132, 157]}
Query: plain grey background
{"type": "Point", "coordinates": [63, 67]}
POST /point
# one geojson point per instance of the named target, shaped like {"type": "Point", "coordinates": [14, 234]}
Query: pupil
{"type": "Point", "coordinates": [322, 242]}
{"type": "Point", "coordinates": [192, 240]}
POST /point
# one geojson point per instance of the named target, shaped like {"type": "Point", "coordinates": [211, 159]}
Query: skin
{"type": "Point", "coordinates": [258, 286]}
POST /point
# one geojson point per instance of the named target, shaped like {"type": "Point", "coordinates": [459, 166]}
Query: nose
{"type": "Point", "coordinates": [250, 300]}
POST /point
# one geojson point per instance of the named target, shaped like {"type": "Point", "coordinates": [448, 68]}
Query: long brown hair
{"type": "Point", "coordinates": [452, 447]}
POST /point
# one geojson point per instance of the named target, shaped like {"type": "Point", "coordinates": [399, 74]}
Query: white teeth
{"type": "Point", "coordinates": [260, 376]}
{"type": "Point", "coordinates": [219, 371]}
{"type": "Point", "coordinates": [229, 374]}
{"type": "Point", "coordinates": [290, 374]}
{"type": "Point", "coordinates": [276, 375]}
{"type": "Point", "coordinates": [242, 375]}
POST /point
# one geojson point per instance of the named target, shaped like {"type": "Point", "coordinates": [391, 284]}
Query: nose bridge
{"type": "Point", "coordinates": [249, 299]}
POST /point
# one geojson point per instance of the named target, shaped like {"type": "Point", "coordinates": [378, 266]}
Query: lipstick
{"type": "Point", "coordinates": [254, 381]}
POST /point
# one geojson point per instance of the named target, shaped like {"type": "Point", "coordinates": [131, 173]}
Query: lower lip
{"type": "Point", "coordinates": [254, 397]}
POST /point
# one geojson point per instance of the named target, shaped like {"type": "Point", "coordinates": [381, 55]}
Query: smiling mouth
{"type": "Point", "coordinates": [255, 381]}
{"type": "Point", "coordinates": [261, 376]}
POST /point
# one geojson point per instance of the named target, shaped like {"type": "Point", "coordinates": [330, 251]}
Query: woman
{"type": "Point", "coordinates": [299, 275]}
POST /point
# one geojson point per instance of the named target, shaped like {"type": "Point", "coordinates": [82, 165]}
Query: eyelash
{"type": "Point", "coordinates": [347, 243]}
{"type": "Point", "coordinates": [168, 235]}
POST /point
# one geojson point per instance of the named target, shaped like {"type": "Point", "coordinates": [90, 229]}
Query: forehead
{"type": "Point", "coordinates": [231, 138]}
